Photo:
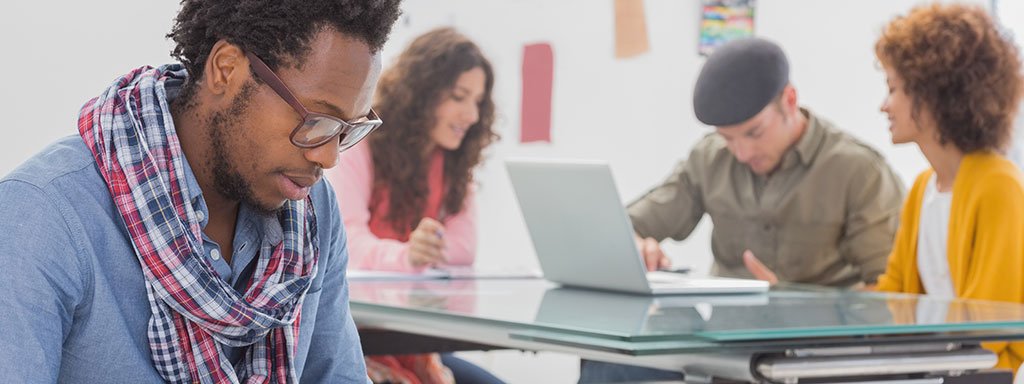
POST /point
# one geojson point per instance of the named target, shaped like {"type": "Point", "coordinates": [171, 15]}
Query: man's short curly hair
{"type": "Point", "coordinates": [277, 31]}
{"type": "Point", "coordinates": [956, 63]}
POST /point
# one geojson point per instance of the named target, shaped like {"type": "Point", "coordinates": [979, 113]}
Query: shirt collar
{"type": "Point", "coordinates": [195, 193]}
{"type": "Point", "coordinates": [807, 147]}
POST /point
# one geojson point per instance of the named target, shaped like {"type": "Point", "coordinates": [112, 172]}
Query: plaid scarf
{"type": "Point", "coordinates": [194, 313]}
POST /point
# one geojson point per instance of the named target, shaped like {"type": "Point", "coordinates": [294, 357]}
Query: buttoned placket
{"type": "Point", "coordinates": [211, 250]}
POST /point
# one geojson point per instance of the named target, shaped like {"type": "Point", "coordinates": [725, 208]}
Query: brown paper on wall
{"type": "Point", "coordinates": [630, 28]}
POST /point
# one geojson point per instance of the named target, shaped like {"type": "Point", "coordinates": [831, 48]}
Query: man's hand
{"type": "Point", "coordinates": [650, 251]}
{"type": "Point", "coordinates": [758, 269]}
{"type": "Point", "coordinates": [426, 243]}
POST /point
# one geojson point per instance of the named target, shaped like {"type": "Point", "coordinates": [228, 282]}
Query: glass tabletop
{"type": "Point", "coordinates": [846, 344]}
{"type": "Point", "coordinates": [791, 312]}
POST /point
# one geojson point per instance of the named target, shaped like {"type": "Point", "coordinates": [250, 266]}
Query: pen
{"type": "Point", "coordinates": [683, 270]}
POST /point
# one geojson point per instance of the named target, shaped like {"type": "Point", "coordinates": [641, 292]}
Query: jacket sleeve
{"type": "Point", "coordinates": [995, 270]}
{"type": "Point", "coordinates": [353, 182]}
{"type": "Point", "coordinates": [996, 266]}
{"type": "Point", "coordinates": [460, 232]}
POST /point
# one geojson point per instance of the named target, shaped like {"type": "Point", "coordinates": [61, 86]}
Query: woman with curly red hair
{"type": "Point", "coordinates": [406, 193]}
{"type": "Point", "coordinates": [954, 85]}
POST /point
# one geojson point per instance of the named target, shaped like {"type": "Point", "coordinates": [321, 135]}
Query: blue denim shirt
{"type": "Point", "coordinates": [73, 305]}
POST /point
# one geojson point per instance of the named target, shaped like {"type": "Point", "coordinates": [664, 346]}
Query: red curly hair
{"type": "Point", "coordinates": [957, 64]}
{"type": "Point", "coordinates": [407, 95]}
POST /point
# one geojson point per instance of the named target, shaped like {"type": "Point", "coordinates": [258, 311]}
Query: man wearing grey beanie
{"type": "Point", "coordinates": [814, 204]}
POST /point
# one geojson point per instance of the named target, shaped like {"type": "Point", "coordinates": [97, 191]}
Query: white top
{"type": "Point", "coordinates": [932, 263]}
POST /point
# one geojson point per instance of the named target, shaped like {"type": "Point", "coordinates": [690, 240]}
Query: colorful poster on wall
{"type": "Point", "coordinates": [630, 28]}
{"type": "Point", "coordinates": [723, 21]}
{"type": "Point", "coordinates": [538, 76]}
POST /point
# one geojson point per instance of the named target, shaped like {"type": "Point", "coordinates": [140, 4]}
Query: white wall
{"type": "Point", "coordinates": [1011, 15]}
{"type": "Point", "coordinates": [53, 60]}
{"type": "Point", "coordinates": [830, 45]}
{"type": "Point", "coordinates": [636, 112]}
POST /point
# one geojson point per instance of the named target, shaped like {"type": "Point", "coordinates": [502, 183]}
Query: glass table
{"type": "Point", "coordinates": [787, 334]}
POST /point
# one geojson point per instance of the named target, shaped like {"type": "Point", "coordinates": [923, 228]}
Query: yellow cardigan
{"type": "Point", "coordinates": [985, 245]}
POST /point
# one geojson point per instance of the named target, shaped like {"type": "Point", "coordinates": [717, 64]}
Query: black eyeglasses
{"type": "Point", "coordinates": [316, 129]}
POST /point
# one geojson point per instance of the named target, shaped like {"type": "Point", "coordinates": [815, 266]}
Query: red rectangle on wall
{"type": "Point", "coordinates": [538, 76]}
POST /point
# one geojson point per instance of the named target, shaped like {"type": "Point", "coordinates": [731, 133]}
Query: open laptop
{"type": "Point", "coordinates": [584, 238]}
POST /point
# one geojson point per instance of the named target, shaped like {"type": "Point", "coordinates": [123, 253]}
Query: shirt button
{"type": "Point", "coordinates": [215, 254]}
{"type": "Point", "coordinates": [767, 227]}
{"type": "Point", "coordinates": [200, 215]}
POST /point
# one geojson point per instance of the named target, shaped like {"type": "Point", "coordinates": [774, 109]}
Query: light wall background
{"type": "Point", "coordinates": [635, 113]}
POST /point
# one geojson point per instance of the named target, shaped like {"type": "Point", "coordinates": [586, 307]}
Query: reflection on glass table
{"type": "Point", "coordinates": [789, 333]}
{"type": "Point", "coordinates": [777, 314]}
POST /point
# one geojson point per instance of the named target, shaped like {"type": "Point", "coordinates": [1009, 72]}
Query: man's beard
{"type": "Point", "coordinates": [227, 179]}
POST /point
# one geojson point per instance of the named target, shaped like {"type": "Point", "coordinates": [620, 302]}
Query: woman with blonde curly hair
{"type": "Point", "coordinates": [406, 193]}
{"type": "Point", "coordinates": [954, 85]}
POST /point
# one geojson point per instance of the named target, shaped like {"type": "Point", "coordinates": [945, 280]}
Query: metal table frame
{"type": "Point", "coordinates": [876, 360]}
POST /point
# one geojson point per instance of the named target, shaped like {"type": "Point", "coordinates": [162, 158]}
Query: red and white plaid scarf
{"type": "Point", "coordinates": [194, 313]}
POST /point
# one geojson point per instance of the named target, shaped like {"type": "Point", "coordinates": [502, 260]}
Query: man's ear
{"type": "Point", "coordinates": [226, 70]}
{"type": "Point", "coordinates": [789, 99]}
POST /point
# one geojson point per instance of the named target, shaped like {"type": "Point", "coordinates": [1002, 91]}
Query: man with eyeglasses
{"type": "Point", "coordinates": [792, 197]}
{"type": "Point", "coordinates": [184, 235]}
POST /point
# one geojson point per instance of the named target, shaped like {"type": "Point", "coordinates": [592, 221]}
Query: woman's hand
{"type": "Point", "coordinates": [426, 244]}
